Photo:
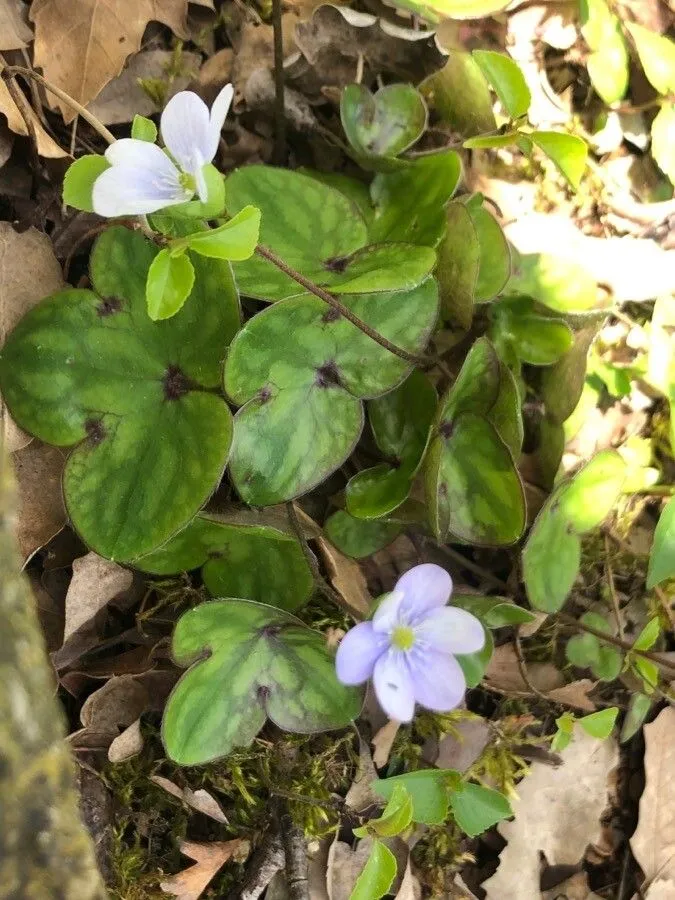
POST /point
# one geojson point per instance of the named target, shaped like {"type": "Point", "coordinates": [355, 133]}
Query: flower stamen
{"type": "Point", "coordinates": [402, 637]}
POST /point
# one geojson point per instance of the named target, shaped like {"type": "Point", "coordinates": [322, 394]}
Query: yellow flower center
{"type": "Point", "coordinates": [187, 182]}
{"type": "Point", "coordinates": [402, 638]}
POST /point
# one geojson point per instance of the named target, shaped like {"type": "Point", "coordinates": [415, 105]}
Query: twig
{"type": "Point", "coordinates": [618, 642]}
{"type": "Point", "coordinates": [8, 72]}
{"type": "Point", "coordinates": [612, 588]}
{"type": "Point", "coordinates": [333, 302]}
{"type": "Point", "coordinates": [522, 668]}
{"type": "Point", "coordinates": [295, 849]}
{"type": "Point", "coordinates": [266, 862]}
{"type": "Point", "coordinates": [279, 106]}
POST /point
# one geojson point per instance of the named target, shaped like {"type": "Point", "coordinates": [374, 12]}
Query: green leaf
{"type": "Point", "coordinates": [663, 140]}
{"type": "Point", "coordinates": [474, 665]}
{"type": "Point", "coordinates": [235, 240]}
{"type": "Point", "coordinates": [494, 268]}
{"type": "Point", "coordinates": [567, 151]}
{"type": "Point", "coordinates": [169, 283]}
{"type": "Point", "coordinates": [662, 558]}
{"type": "Point", "coordinates": [638, 710]}
{"type": "Point", "coordinates": [657, 56]}
{"type": "Point", "coordinates": [600, 724]}
{"type": "Point", "coordinates": [562, 385]}
{"type": "Point", "coordinates": [491, 141]}
{"type": "Point", "coordinates": [648, 636]}
{"type": "Point", "coordinates": [494, 612]}
{"type": "Point", "coordinates": [591, 495]}
{"type": "Point", "coordinates": [143, 129]}
{"type": "Point", "coordinates": [384, 124]}
{"type": "Point", "coordinates": [298, 372]}
{"type": "Point", "coordinates": [460, 96]}
{"type": "Point", "coordinates": [375, 492]}
{"type": "Point", "coordinates": [377, 876]}
{"type": "Point", "coordinates": [588, 652]}
{"type": "Point", "coordinates": [401, 419]}
{"type": "Point", "coordinates": [432, 180]}
{"type": "Point", "coordinates": [437, 10]}
{"type": "Point", "coordinates": [254, 562]}
{"type": "Point", "coordinates": [79, 181]}
{"type": "Point", "coordinates": [608, 63]}
{"type": "Point", "coordinates": [537, 340]}
{"type": "Point", "coordinates": [273, 667]}
{"type": "Point", "coordinates": [648, 672]}
{"type": "Point", "coordinates": [459, 258]}
{"type": "Point", "coordinates": [508, 81]}
{"type": "Point", "coordinates": [396, 817]}
{"type": "Point", "coordinates": [319, 232]}
{"type": "Point", "coordinates": [564, 733]}
{"type": "Point", "coordinates": [428, 789]}
{"type": "Point", "coordinates": [477, 808]}
{"type": "Point", "coordinates": [556, 281]}
{"type": "Point", "coordinates": [194, 209]}
{"type": "Point", "coordinates": [551, 557]}
{"type": "Point", "coordinates": [89, 368]}
{"type": "Point", "coordinates": [360, 537]}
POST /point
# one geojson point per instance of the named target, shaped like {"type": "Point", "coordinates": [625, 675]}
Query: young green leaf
{"type": "Point", "coordinates": [428, 789]}
{"type": "Point", "coordinates": [638, 710]}
{"type": "Point", "coordinates": [396, 817]}
{"type": "Point", "coordinates": [79, 181]}
{"type": "Point", "coordinates": [558, 282]}
{"type": "Point", "coordinates": [491, 141]}
{"type": "Point", "coordinates": [608, 63]}
{"type": "Point", "coordinates": [170, 280]}
{"type": "Point", "coordinates": [567, 151]}
{"type": "Point", "coordinates": [377, 875]}
{"type": "Point", "coordinates": [382, 124]}
{"type": "Point", "coordinates": [662, 558]}
{"type": "Point", "coordinates": [657, 56]}
{"type": "Point", "coordinates": [648, 671]}
{"type": "Point", "coordinates": [235, 240]}
{"type": "Point", "coordinates": [359, 538]}
{"type": "Point", "coordinates": [508, 81]}
{"type": "Point", "coordinates": [143, 129]}
{"type": "Point", "coordinates": [273, 666]}
{"type": "Point", "coordinates": [592, 494]}
{"type": "Point", "coordinates": [564, 733]}
{"type": "Point", "coordinates": [494, 612]}
{"type": "Point", "coordinates": [477, 808]}
{"type": "Point", "coordinates": [474, 665]}
{"type": "Point", "coordinates": [599, 724]}
{"type": "Point", "coordinates": [648, 636]}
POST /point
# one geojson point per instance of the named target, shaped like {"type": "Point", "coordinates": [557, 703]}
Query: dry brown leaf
{"type": "Point", "coordinates": [410, 888]}
{"type": "Point", "coordinates": [653, 843]}
{"type": "Point", "coordinates": [199, 800]}
{"type": "Point", "coordinates": [460, 749]}
{"type": "Point", "coordinates": [96, 581]}
{"type": "Point", "coordinates": [123, 97]}
{"type": "Point", "coordinates": [574, 888]}
{"type": "Point", "coordinates": [29, 271]}
{"type": "Point", "coordinates": [360, 795]}
{"type": "Point", "coordinates": [15, 32]}
{"type": "Point", "coordinates": [46, 145]}
{"type": "Point", "coordinates": [383, 741]}
{"type": "Point", "coordinates": [214, 74]}
{"type": "Point", "coordinates": [347, 578]}
{"type": "Point", "coordinates": [126, 745]}
{"type": "Point", "coordinates": [41, 514]}
{"type": "Point", "coordinates": [209, 858]}
{"type": "Point", "coordinates": [81, 45]}
{"type": "Point", "coordinates": [557, 812]}
{"type": "Point", "coordinates": [503, 675]}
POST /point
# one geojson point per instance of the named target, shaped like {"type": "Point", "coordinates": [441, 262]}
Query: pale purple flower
{"type": "Point", "coordinates": [409, 646]}
{"type": "Point", "coordinates": [143, 179]}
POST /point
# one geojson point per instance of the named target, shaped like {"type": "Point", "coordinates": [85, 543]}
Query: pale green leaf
{"type": "Point", "coordinates": [170, 280]}
{"type": "Point", "coordinates": [508, 81]}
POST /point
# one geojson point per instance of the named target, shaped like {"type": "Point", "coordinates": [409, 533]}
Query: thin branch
{"type": "Point", "coordinates": [333, 302]}
{"type": "Point", "coordinates": [522, 668]}
{"type": "Point", "coordinates": [612, 588]}
{"type": "Point", "coordinates": [295, 848]}
{"type": "Point", "coordinates": [279, 104]}
{"type": "Point", "coordinates": [8, 72]}
{"type": "Point", "coordinates": [266, 862]}
{"type": "Point", "coordinates": [617, 642]}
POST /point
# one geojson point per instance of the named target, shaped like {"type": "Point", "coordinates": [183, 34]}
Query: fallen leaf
{"type": "Point", "coordinates": [462, 747]}
{"type": "Point", "coordinates": [209, 858]}
{"type": "Point", "coordinates": [557, 812]}
{"type": "Point", "coordinates": [574, 888]}
{"type": "Point", "coordinates": [360, 795]}
{"type": "Point", "coordinates": [199, 800]}
{"type": "Point", "coordinates": [41, 512]}
{"type": "Point", "coordinates": [15, 32]}
{"type": "Point", "coordinates": [383, 741]}
{"type": "Point", "coordinates": [653, 843]}
{"type": "Point", "coordinates": [347, 578]}
{"type": "Point", "coordinates": [81, 45]}
{"type": "Point", "coordinates": [410, 888]}
{"type": "Point", "coordinates": [215, 73]}
{"type": "Point", "coordinates": [46, 145]}
{"type": "Point", "coordinates": [126, 745]}
{"type": "Point", "coordinates": [96, 581]}
{"type": "Point", "coordinates": [123, 97]}
{"type": "Point", "coordinates": [29, 271]}
{"type": "Point", "coordinates": [661, 889]}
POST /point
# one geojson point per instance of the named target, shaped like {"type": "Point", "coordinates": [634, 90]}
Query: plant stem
{"type": "Point", "coordinates": [8, 72]}
{"type": "Point", "coordinates": [333, 302]}
{"type": "Point", "coordinates": [279, 106]}
{"type": "Point", "coordinates": [617, 642]}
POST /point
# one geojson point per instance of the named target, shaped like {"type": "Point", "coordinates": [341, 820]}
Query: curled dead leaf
{"type": "Point", "coordinates": [347, 578]}
{"type": "Point", "coordinates": [199, 800]}
{"type": "Point", "coordinates": [126, 745]}
{"type": "Point", "coordinates": [191, 883]}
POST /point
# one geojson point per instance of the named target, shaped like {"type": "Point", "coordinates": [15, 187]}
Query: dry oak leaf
{"type": "Point", "coordinates": [29, 271]}
{"type": "Point", "coordinates": [81, 45]}
{"type": "Point", "coordinates": [41, 514]}
{"type": "Point", "coordinates": [191, 883]}
{"type": "Point", "coordinates": [557, 812]}
{"type": "Point", "coordinates": [653, 843]}
{"type": "Point", "coordinates": [14, 30]}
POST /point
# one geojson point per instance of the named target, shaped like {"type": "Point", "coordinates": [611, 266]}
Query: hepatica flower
{"type": "Point", "coordinates": [143, 179]}
{"type": "Point", "coordinates": [409, 646]}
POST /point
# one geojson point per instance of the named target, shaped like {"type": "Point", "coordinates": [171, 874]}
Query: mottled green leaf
{"type": "Point", "coordinates": [551, 558]}
{"type": "Point", "coordinates": [608, 63]}
{"type": "Point", "coordinates": [169, 283]}
{"type": "Point", "coordinates": [460, 96]}
{"type": "Point", "coordinates": [562, 384]}
{"type": "Point", "coordinates": [494, 267]}
{"type": "Point", "coordinates": [235, 240]}
{"type": "Point", "coordinates": [591, 495]}
{"type": "Point", "coordinates": [431, 180]}
{"type": "Point", "coordinates": [377, 875]}
{"type": "Point", "coordinates": [359, 538]}
{"type": "Point", "coordinates": [79, 181]}
{"type": "Point", "coordinates": [253, 562]}
{"type": "Point", "coordinates": [477, 808]}
{"type": "Point", "coordinates": [662, 558]}
{"type": "Point", "coordinates": [143, 129]}
{"type": "Point", "coordinates": [567, 151]}
{"type": "Point", "coordinates": [536, 339]}
{"type": "Point", "coordinates": [262, 663]}
{"type": "Point", "coordinates": [385, 123]}
{"type": "Point", "coordinates": [599, 724]}
{"type": "Point", "coordinates": [494, 612]}
{"type": "Point", "coordinates": [376, 491]}
{"type": "Point", "coordinates": [89, 368]}
{"type": "Point", "coordinates": [428, 789]}
{"type": "Point", "coordinates": [507, 80]}
{"type": "Point", "coordinates": [459, 257]}
{"type": "Point", "coordinates": [401, 419]}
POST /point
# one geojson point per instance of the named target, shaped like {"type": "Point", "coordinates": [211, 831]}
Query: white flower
{"type": "Point", "coordinates": [143, 179]}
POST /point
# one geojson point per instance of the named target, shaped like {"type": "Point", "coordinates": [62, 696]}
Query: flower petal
{"type": "Point", "coordinates": [450, 630]}
{"type": "Point", "coordinates": [437, 680]}
{"type": "Point", "coordinates": [393, 686]}
{"type": "Point", "coordinates": [132, 191]}
{"type": "Point", "coordinates": [358, 652]}
{"type": "Point", "coordinates": [186, 131]}
{"type": "Point", "coordinates": [387, 614]}
{"type": "Point", "coordinates": [425, 587]}
{"type": "Point", "coordinates": [219, 111]}
{"type": "Point", "coordinates": [142, 155]}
